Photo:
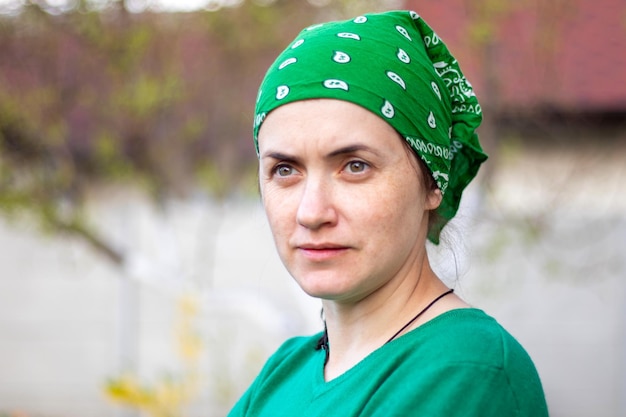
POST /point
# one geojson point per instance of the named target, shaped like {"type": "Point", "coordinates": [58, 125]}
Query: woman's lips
{"type": "Point", "coordinates": [320, 253]}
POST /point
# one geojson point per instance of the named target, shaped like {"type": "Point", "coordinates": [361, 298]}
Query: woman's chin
{"type": "Point", "coordinates": [332, 289]}
{"type": "Point", "coordinates": [324, 286]}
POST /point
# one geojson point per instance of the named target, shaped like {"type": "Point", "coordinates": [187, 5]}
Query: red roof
{"type": "Point", "coordinates": [569, 54]}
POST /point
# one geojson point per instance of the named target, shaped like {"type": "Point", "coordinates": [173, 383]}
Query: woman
{"type": "Point", "coordinates": [365, 134]}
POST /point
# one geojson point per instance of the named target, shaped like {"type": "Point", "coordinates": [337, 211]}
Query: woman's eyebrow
{"type": "Point", "coordinates": [351, 149]}
{"type": "Point", "coordinates": [279, 156]}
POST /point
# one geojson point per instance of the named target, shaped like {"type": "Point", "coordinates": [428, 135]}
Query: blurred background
{"type": "Point", "coordinates": [137, 272]}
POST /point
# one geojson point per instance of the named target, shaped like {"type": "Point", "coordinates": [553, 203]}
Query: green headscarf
{"type": "Point", "coordinates": [395, 66]}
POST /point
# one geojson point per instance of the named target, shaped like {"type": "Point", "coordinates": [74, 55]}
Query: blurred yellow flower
{"type": "Point", "coordinates": [167, 396]}
{"type": "Point", "coordinates": [189, 305]}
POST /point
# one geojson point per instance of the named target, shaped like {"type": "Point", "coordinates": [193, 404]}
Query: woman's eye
{"type": "Point", "coordinates": [356, 166]}
{"type": "Point", "coordinates": [283, 170]}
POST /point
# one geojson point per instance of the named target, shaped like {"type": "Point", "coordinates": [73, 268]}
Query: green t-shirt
{"type": "Point", "coordinates": [461, 363]}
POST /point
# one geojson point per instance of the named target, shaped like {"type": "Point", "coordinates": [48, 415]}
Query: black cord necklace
{"type": "Point", "coordinates": [323, 342]}
{"type": "Point", "coordinates": [419, 314]}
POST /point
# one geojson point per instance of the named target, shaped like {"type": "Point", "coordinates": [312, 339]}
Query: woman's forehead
{"type": "Point", "coordinates": [323, 124]}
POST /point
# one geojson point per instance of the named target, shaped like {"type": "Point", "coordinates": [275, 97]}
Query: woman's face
{"type": "Point", "coordinates": [344, 198]}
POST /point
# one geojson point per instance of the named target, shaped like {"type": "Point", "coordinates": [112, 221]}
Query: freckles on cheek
{"type": "Point", "coordinates": [278, 212]}
{"type": "Point", "coordinates": [389, 210]}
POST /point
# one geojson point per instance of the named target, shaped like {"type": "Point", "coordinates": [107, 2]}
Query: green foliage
{"type": "Point", "coordinates": [109, 159]}
{"type": "Point", "coordinates": [146, 95]}
{"type": "Point", "coordinates": [212, 178]}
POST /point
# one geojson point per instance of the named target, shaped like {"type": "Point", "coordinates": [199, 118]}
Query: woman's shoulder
{"type": "Point", "coordinates": [468, 335]}
{"type": "Point", "coordinates": [478, 340]}
{"type": "Point", "coordinates": [473, 350]}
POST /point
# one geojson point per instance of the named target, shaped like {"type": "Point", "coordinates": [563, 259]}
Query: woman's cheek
{"type": "Point", "coordinates": [280, 208]}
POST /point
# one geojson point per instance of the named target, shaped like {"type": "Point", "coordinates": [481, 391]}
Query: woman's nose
{"type": "Point", "coordinates": [316, 208]}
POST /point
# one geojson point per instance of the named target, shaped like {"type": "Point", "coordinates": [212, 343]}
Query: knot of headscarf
{"type": "Point", "coordinates": [394, 65]}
